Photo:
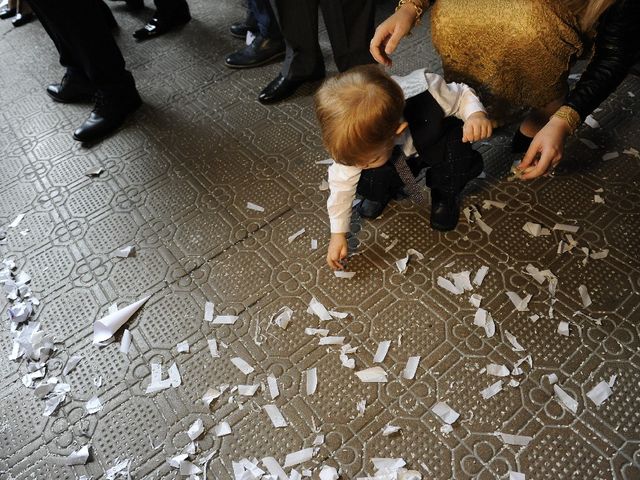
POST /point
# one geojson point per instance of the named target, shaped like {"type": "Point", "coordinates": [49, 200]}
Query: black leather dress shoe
{"type": "Point", "coordinates": [371, 208]}
{"type": "Point", "coordinates": [110, 112]}
{"type": "Point", "coordinates": [23, 19]}
{"type": "Point", "coordinates": [71, 90]}
{"type": "Point", "coordinates": [281, 88]}
{"type": "Point", "coordinates": [445, 211]}
{"type": "Point", "coordinates": [260, 52]}
{"type": "Point", "coordinates": [158, 26]}
{"type": "Point", "coordinates": [240, 29]}
{"type": "Point", "coordinates": [6, 12]}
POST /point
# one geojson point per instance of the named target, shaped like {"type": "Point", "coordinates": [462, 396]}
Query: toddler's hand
{"type": "Point", "coordinates": [477, 127]}
{"type": "Point", "coordinates": [337, 251]}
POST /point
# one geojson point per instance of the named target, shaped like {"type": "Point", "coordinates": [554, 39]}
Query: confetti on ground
{"type": "Point", "coordinates": [104, 328]}
{"type": "Point", "coordinates": [254, 207]}
{"type": "Point", "coordinates": [492, 390]}
{"type": "Point", "coordinates": [445, 412]}
{"type": "Point", "coordinates": [401, 264]}
{"type": "Point", "coordinates": [600, 393]}
{"type": "Point", "coordinates": [372, 375]}
{"type": "Point", "coordinates": [584, 296]}
{"type": "Point", "coordinates": [536, 230]}
{"type": "Point", "coordinates": [565, 399]}
{"type": "Point", "coordinates": [94, 171]}
{"type": "Point", "coordinates": [297, 234]}
{"type": "Point", "coordinates": [343, 274]}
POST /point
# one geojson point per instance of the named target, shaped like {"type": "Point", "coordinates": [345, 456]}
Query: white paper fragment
{"type": "Point", "coordinates": [520, 440]}
{"type": "Point", "coordinates": [120, 469]}
{"type": "Point", "coordinates": [316, 331]}
{"type": "Point", "coordinates": [563, 328]}
{"type": "Point", "coordinates": [483, 319]}
{"type": "Point", "coordinates": [536, 230]}
{"type": "Point", "coordinates": [584, 296]}
{"type": "Point", "coordinates": [381, 351]}
{"type": "Point", "coordinates": [157, 384]}
{"type": "Point", "coordinates": [450, 287]}
{"type": "Point", "coordinates": [591, 145]}
{"type": "Point", "coordinates": [314, 244]}
{"type": "Point", "coordinates": [390, 430]}
{"type": "Point", "coordinates": [513, 383]}
{"type": "Point", "coordinates": [601, 392]}
{"type": "Point", "coordinates": [632, 151]}
{"type": "Point", "coordinates": [177, 460]}
{"type": "Point", "coordinates": [324, 185]}
{"type": "Point", "coordinates": [563, 227]}
{"type": "Point", "coordinates": [328, 161]}
{"type": "Point", "coordinates": [401, 264]}
{"type": "Point", "coordinates": [125, 342]}
{"type": "Point", "coordinates": [480, 274]}
{"type": "Point", "coordinates": [331, 341]}
{"type": "Point", "coordinates": [343, 274]}
{"type": "Point", "coordinates": [319, 310]}
{"type": "Point", "coordinates": [222, 429]}
{"type": "Point", "coordinates": [600, 255]}
{"type": "Point", "coordinates": [372, 375]}
{"type": "Point", "coordinates": [445, 412]}
{"type": "Point", "coordinates": [225, 320]}
{"type": "Point", "coordinates": [565, 399]}
{"type": "Point", "coordinates": [211, 394]}
{"type": "Point", "coordinates": [104, 328]}
{"type": "Point", "coordinates": [475, 300]}
{"type": "Point", "coordinates": [328, 473]}
{"type": "Point", "coordinates": [213, 347]}
{"type": "Point", "coordinates": [196, 429]}
{"type": "Point", "coordinates": [339, 315]}
{"type": "Point", "coordinates": [497, 370]}
{"type": "Point", "coordinates": [521, 304]}
{"type": "Point", "coordinates": [253, 206]}
{"type": "Point", "coordinates": [592, 122]}
{"type": "Point", "coordinates": [516, 475]}
{"type": "Point", "coordinates": [71, 364]}
{"type": "Point", "coordinates": [274, 468]}
{"type": "Point", "coordinates": [275, 416]}
{"type": "Point", "coordinates": [361, 405]}
{"type": "Point", "coordinates": [94, 171]}
{"type": "Point", "coordinates": [93, 405]}
{"type": "Point", "coordinates": [492, 390]}
{"type": "Point", "coordinates": [488, 204]}
{"type": "Point", "coordinates": [410, 369]}
{"type": "Point", "coordinates": [292, 237]}
{"type": "Point", "coordinates": [296, 458]}
{"type": "Point", "coordinates": [125, 252]}
{"type": "Point", "coordinates": [597, 199]}
{"type": "Point", "coordinates": [461, 280]}
{"type": "Point", "coordinates": [182, 347]}
{"type": "Point", "coordinates": [282, 317]}
{"type": "Point", "coordinates": [610, 156]}
{"type": "Point", "coordinates": [612, 380]}
{"type": "Point", "coordinates": [78, 457]}
{"type": "Point", "coordinates": [389, 247]}
{"type": "Point", "coordinates": [16, 221]}
{"type": "Point", "coordinates": [513, 341]}
{"type": "Point", "coordinates": [312, 381]}
{"type": "Point", "coordinates": [272, 383]}
{"type": "Point", "coordinates": [482, 224]}
{"type": "Point", "coordinates": [242, 365]}
{"type": "Point", "coordinates": [208, 311]}
{"type": "Point", "coordinates": [552, 378]}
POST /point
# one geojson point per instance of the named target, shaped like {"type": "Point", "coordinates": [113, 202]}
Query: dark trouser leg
{"type": "Point", "coordinates": [86, 45]}
{"type": "Point", "coordinates": [350, 24]}
{"type": "Point", "coordinates": [265, 18]}
{"type": "Point", "coordinates": [298, 21]}
{"type": "Point", "coordinates": [166, 9]}
{"type": "Point", "coordinates": [379, 184]}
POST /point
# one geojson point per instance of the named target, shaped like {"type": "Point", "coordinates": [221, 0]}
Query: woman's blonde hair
{"type": "Point", "coordinates": [358, 111]}
{"type": "Point", "coordinates": [589, 11]}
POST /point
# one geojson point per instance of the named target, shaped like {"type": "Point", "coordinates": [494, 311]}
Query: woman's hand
{"type": "Point", "coordinates": [477, 127]}
{"type": "Point", "coordinates": [337, 251]}
{"type": "Point", "coordinates": [390, 32]}
{"type": "Point", "coordinates": [549, 145]}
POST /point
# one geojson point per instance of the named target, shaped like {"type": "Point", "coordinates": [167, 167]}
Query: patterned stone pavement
{"type": "Point", "coordinates": [176, 182]}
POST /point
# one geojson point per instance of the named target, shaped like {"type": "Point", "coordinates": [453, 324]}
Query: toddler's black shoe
{"type": "Point", "coordinates": [371, 208]}
{"type": "Point", "coordinates": [445, 211]}
{"type": "Point", "coordinates": [520, 142]}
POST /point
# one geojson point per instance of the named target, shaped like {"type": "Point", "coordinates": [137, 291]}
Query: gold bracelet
{"type": "Point", "coordinates": [418, 8]}
{"type": "Point", "coordinates": [570, 116]}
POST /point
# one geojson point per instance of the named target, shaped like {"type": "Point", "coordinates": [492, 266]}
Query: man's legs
{"type": "Point", "coordinates": [169, 15]}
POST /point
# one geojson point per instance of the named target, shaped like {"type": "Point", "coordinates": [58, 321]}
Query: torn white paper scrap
{"type": "Point", "coordinates": [275, 416]}
{"type": "Point", "coordinates": [224, 320]}
{"type": "Point", "coordinates": [601, 392]}
{"type": "Point", "coordinates": [565, 399]}
{"type": "Point", "coordinates": [242, 365]}
{"type": "Point", "coordinates": [552, 378]}
{"type": "Point", "coordinates": [600, 255]}
{"type": "Point", "coordinates": [120, 469]}
{"type": "Point", "coordinates": [410, 369]}
{"type": "Point", "coordinates": [196, 429]}
{"type": "Point", "coordinates": [584, 296]}
{"type": "Point", "coordinates": [610, 156]}
{"type": "Point", "coordinates": [492, 390]}
{"type": "Point", "coordinates": [592, 122]}
{"type": "Point", "coordinates": [381, 352]}
{"type": "Point", "coordinates": [597, 199]}
{"type": "Point", "coordinates": [282, 317]}
{"type": "Point", "coordinates": [447, 414]}
{"type": "Point", "coordinates": [520, 440]}
{"type": "Point", "coordinates": [16, 221]}
{"type": "Point", "coordinates": [71, 364]}
{"type": "Point", "coordinates": [563, 227]}
{"type": "Point", "coordinates": [319, 310]}
{"type": "Point", "coordinates": [94, 171]}
{"type": "Point", "coordinates": [390, 430]}
{"type": "Point", "coordinates": [513, 341]}
{"type": "Point", "coordinates": [361, 406]}
{"type": "Point", "coordinates": [521, 304]}
{"type": "Point", "coordinates": [488, 204]}
{"type": "Point", "coordinates": [213, 347]}
{"type": "Point", "coordinates": [78, 457]}
{"type": "Point", "coordinates": [292, 237]}
{"type": "Point", "coordinates": [272, 383]}
{"type": "Point", "coordinates": [497, 370]}
{"type": "Point", "coordinates": [461, 280]}
{"type": "Point", "coordinates": [157, 384]}
{"type": "Point", "coordinates": [612, 380]}
{"type": "Point", "coordinates": [475, 300]}
{"type": "Point", "coordinates": [563, 328]}
{"type": "Point", "coordinates": [312, 381]}
{"type": "Point", "coordinates": [328, 161]}
{"type": "Point", "coordinates": [296, 458]}
{"type": "Point", "coordinates": [125, 252]}
{"type": "Point", "coordinates": [450, 287]}
{"type": "Point", "coordinates": [339, 315]}
{"type": "Point", "coordinates": [388, 465]}
{"type": "Point", "coordinates": [480, 274]}
{"type": "Point", "coordinates": [372, 375]}
{"type": "Point", "coordinates": [536, 230]}
{"type": "Point", "coordinates": [125, 342]}
{"type": "Point", "coordinates": [403, 262]}
{"type": "Point", "coordinates": [343, 274]}
{"type": "Point", "coordinates": [316, 331]}
{"type": "Point", "coordinates": [331, 341]}
{"type": "Point", "coordinates": [328, 473]}
{"type": "Point", "coordinates": [52, 404]}
{"type": "Point", "coordinates": [104, 328]}
{"type": "Point", "coordinates": [182, 347]}
{"type": "Point", "coordinates": [274, 468]}
{"type": "Point", "coordinates": [253, 206]}
{"type": "Point", "coordinates": [324, 185]}
{"type": "Point", "coordinates": [222, 429]}
{"type": "Point", "coordinates": [483, 319]}
{"type": "Point", "coordinates": [314, 244]}
{"type": "Point", "coordinates": [211, 394]}
{"type": "Point", "coordinates": [516, 475]}
{"type": "Point", "coordinates": [208, 311]}
{"type": "Point", "coordinates": [248, 390]}
{"type": "Point", "coordinates": [93, 405]}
